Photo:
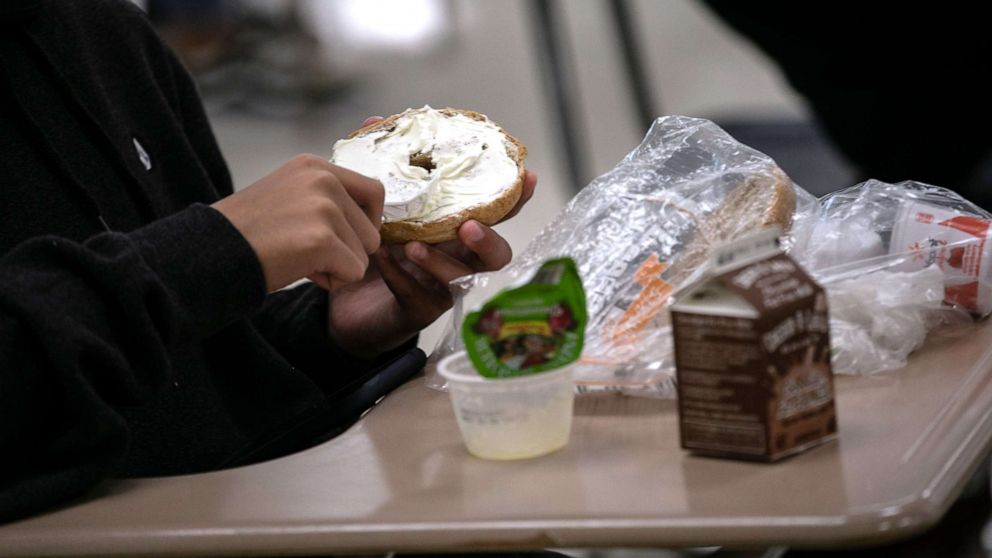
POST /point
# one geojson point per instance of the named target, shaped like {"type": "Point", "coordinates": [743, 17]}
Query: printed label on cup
{"type": "Point", "coordinates": [958, 244]}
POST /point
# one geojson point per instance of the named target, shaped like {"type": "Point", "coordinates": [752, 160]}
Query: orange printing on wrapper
{"type": "Point", "coordinates": [652, 299]}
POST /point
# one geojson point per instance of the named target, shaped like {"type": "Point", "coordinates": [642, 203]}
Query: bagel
{"type": "Point", "coordinates": [439, 169]}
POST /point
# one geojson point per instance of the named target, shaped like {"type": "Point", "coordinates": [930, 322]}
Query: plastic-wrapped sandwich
{"type": "Point", "coordinates": [638, 234]}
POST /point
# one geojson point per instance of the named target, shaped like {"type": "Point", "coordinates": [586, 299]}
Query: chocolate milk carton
{"type": "Point", "coordinates": [752, 354]}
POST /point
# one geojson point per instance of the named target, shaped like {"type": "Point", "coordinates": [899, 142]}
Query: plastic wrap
{"type": "Point", "coordinates": [639, 233]}
{"type": "Point", "coordinates": [874, 329]}
{"type": "Point", "coordinates": [897, 260]}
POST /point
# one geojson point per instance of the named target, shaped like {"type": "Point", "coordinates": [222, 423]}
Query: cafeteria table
{"type": "Point", "coordinates": [401, 480]}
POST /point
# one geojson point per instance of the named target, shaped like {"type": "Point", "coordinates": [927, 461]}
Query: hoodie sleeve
{"type": "Point", "coordinates": [85, 327]}
{"type": "Point", "coordinates": [294, 321]}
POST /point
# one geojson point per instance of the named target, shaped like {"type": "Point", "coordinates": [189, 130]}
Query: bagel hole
{"type": "Point", "coordinates": [422, 160]}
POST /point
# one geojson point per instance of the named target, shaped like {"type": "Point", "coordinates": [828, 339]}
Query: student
{"type": "Point", "coordinates": [142, 331]}
{"type": "Point", "coordinates": [899, 90]}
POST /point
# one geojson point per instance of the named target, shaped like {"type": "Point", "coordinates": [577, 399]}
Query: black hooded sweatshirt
{"type": "Point", "coordinates": [136, 337]}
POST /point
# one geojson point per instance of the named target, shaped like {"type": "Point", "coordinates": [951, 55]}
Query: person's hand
{"type": "Point", "coordinates": [309, 218]}
{"type": "Point", "coordinates": [406, 286]}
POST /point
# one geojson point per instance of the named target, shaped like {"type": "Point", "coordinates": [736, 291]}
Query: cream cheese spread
{"type": "Point", "coordinates": [431, 164]}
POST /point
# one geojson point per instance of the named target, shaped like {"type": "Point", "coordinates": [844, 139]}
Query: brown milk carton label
{"type": "Point", "coordinates": [752, 356]}
{"type": "Point", "coordinates": [721, 400]}
{"type": "Point", "coordinates": [801, 403]}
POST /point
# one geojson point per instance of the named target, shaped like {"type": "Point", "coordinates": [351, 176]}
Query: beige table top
{"type": "Point", "coordinates": [401, 480]}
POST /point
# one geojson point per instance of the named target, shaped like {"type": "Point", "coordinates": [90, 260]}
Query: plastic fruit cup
{"type": "Point", "coordinates": [509, 418]}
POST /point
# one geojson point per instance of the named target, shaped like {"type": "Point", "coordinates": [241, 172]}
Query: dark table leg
{"type": "Point", "coordinates": [644, 100]}
{"type": "Point", "coordinates": [560, 85]}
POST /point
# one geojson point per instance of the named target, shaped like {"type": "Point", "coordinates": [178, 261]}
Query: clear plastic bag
{"type": "Point", "coordinates": [638, 234]}
{"type": "Point", "coordinates": [896, 260]}
{"type": "Point", "coordinates": [874, 329]}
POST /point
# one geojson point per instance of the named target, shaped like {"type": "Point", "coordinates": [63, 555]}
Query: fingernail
{"type": "Point", "coordinates": [473, 232]}
{"type": "Point", "coordinates": [418, 252]}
